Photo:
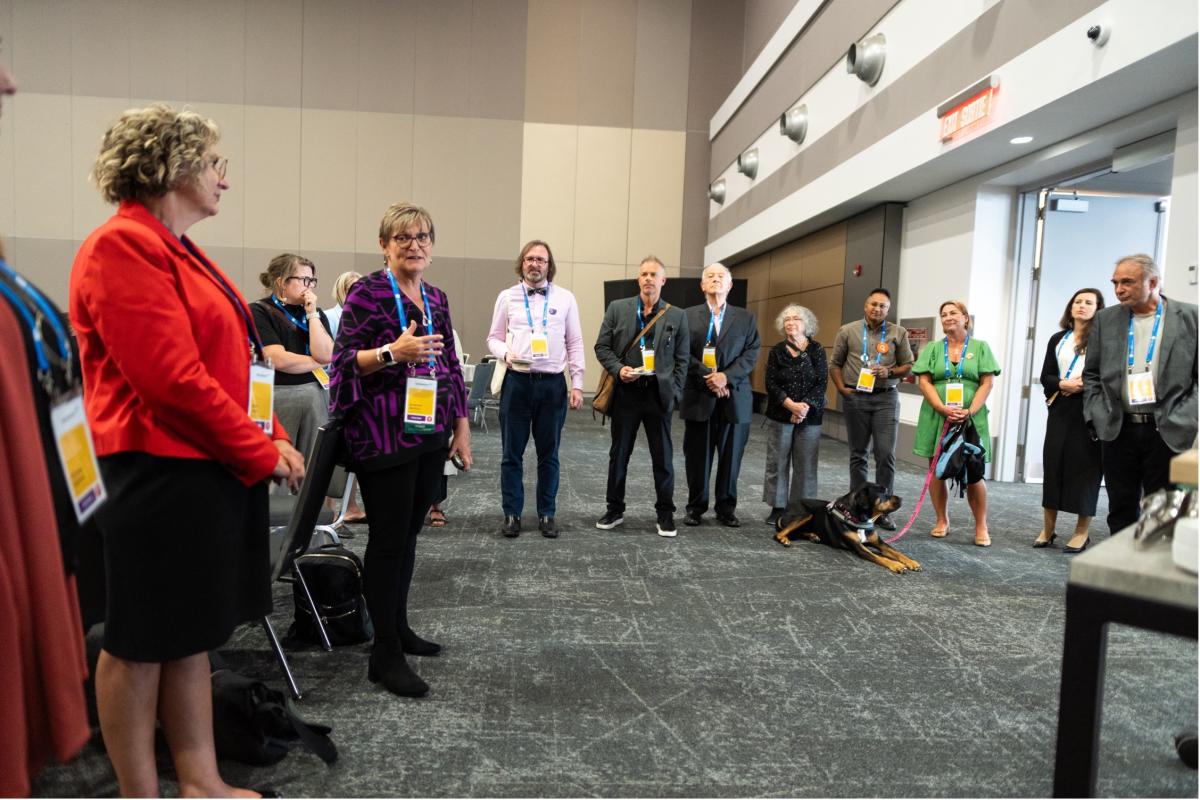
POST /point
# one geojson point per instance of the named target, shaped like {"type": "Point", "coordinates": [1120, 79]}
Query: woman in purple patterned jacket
{"type": "Point", "coordinates": [398, 388]}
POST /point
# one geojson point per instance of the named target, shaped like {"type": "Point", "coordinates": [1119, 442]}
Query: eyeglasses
{"type": "Point", "coordinates": [308, 282]}
{"type": "Point", "coordinates": [541, 262]}
{"type": "Point", "coordinates": [221, 166]}
{"type": "Point", "coordinates": [404, 240]}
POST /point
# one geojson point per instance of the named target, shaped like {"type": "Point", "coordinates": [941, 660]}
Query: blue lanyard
{"type": "Point", "coordinates": [641, 321]}
{"type": "Point", "coordinates": [962, 358]}
{"type": "Point", "coordinates": [1057, 352]}
{"type": "Point", "coordinates": [404, 317]}
{"type": "Point", "coordinates": [48, 312]}
{"type": "Point", "coordinates": [256, 346]}
{"type": "Point", "coordinates": [302, 324]}
{"type": "Point", "coordinates": [39, 347]}
{"type": "Point", "coordinates": [528, 313]}
{"type": "Point", "coordinates": [1153, 338]}
{"type": "Point", "coordinates": [714, 322]}
{"type": "Point", "coordinates": [882, 338]}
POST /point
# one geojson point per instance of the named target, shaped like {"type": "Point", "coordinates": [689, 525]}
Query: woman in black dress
{"type": "Point", "coordinates": [1070, 454]}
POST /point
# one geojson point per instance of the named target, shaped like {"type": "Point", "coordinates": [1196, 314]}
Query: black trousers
{"type": "Point", "coordinates": [637, 405]}
{"type": "Point", "coordinates": [397, 500]}
{"type": "Point", "coordinates": [1136, 463]}
{"type": "Point", "coordinates": [702, 439]}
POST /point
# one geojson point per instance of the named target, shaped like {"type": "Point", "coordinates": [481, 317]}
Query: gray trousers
{"type": "Point", "coordinates": [791, 474]}
{"type": "Point", "coordinates": [872, 421]}
{"type": "Point", "coordinates": [301, 410]}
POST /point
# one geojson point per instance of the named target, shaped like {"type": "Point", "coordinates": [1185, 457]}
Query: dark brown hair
{"type": "Point", "coordinates": [281, 267]}
{"type": "Point", "coordinates": [1067, 322]}
{"type": "Point", "coordinates": [550, 270]}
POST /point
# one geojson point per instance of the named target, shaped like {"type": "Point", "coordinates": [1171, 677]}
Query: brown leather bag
{"type": "Point", "coordinates": [604, 390]}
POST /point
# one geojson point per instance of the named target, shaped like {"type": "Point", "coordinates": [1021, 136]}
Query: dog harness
{"type": "Point", "coordinates": [843, 512]}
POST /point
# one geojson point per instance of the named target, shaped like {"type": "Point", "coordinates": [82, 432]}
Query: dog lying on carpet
{"type": "Point", "coordinates": [848, 523]}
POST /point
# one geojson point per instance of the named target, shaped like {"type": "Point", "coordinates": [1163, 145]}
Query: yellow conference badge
{"type": "Point", "coordinates": [77, 454]}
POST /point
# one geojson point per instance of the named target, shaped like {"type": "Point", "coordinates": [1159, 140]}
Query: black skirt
{"type": "Point", "coordinates": [1071, 460]}
{"type": "Point", "coordinates": [186, 556]}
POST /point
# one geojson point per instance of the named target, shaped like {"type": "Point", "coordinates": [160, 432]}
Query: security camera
{"type": "Point", "coordinates": [1099, 33]}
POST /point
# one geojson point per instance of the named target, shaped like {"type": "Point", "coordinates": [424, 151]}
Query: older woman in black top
{"type": "Point", "coordinates": [796, 379]}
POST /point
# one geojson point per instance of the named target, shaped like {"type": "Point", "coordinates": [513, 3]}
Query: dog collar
{"type": "Point", "coordinates": [843, 512]}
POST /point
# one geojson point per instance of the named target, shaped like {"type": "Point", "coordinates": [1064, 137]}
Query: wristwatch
{"type": "Point", "coordinates": [386, 356]}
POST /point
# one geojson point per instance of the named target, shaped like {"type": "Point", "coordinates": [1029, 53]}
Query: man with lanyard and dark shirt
{"type": "Point", "coordinates": [869, 358]}
{"type": "Point", "coordinates": [1139, 386]}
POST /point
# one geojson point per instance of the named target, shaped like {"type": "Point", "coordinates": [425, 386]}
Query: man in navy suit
{"type": "Point", "coordinates": [717, 401]}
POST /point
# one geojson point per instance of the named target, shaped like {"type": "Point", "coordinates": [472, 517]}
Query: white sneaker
{"type": "Point", "coordinates": [666, 526]}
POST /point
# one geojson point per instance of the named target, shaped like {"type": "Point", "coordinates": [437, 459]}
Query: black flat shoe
{"type": "Point", "coordinates": [1079, 549]}
{"type": "Point", "coordinates": [1047, 542]}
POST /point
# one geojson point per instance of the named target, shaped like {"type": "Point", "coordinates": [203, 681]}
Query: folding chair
{"type": "Point", "coordinates": [479, 401]}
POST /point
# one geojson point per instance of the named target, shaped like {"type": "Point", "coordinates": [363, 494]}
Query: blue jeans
{"type": "Point", "coordinates": [536, 402]}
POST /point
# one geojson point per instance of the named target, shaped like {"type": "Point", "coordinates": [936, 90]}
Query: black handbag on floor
{"type": "Point", "coordinates": [253, 723]}
{"type": "Point", "coordinates": [334, 576]}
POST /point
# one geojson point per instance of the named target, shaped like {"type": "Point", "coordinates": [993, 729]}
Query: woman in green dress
{"type": "Point", "coordinates": [966, 367]}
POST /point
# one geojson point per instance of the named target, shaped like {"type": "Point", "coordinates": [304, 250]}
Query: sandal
{"type": "Point", "coordinates": [940, 533]}
{"type": "Point", "coordinates": [436, 518]}
{"type": "Point", "coordinates": [984, 541]}
{"type": "Point", "coordinates": [355, 520]}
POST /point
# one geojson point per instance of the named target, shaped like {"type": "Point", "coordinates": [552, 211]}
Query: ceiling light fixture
{"type": "Point", "coordinates": [716, 192]}
{"type": "Point", "coordinates": [748, 163]}
{"type": "Point", "coordinates": [1020, 140]}
{"type": "Point", "coordinates": [794, 124]}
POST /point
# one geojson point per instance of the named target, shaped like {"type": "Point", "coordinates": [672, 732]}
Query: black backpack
{"type": "Point", "coordinates": [961, 461]}
{"type": "Point", "coordinates": [253, 723]}
{"type": "Point", "coordinates": [334, 576]}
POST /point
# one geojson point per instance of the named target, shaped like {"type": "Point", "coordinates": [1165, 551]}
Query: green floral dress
{"type": "Point", "coordinates": [979, 361]}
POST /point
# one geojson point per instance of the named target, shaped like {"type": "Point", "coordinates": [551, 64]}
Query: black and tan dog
{"type": "Point", "coordinates": [848, 523]}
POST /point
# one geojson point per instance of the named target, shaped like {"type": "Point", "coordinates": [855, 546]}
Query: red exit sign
{"type": "Point", "coordinates": [969, 110]}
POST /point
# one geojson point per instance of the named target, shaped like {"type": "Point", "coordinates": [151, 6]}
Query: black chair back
{"type": "Point", "coordinates": [318, 473]}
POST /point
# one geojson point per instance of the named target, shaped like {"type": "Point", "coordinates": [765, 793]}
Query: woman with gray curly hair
{"type": "Point", "coordinates": [796, 379]}
{"type": "Point", "coordinates": [179, 402]}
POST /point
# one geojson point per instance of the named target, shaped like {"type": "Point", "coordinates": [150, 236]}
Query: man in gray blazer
{"type": "Point", "coordinates": [1142, 406]}
{"type": "Point", "coordinates": [649, 383]}
{"type": "Point", "coordinates": [717, 401]}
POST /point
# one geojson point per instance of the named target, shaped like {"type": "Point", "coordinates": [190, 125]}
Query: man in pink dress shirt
{"type": "Point", "coordinates": [535, 332]}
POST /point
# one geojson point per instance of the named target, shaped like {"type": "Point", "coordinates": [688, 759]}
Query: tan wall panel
{"type": "Point", "coordinates": [588, 286]}
{"type": "Point", "coordinates": [329, 66]}
{"type": "Point", "coordinates": [786, 269]}
{"type": "Point", "coordinates": [39, 40]}
{"type": "Point", "coordinates": [758, 377]}
{"type": "Point", "coordinates": [386, 55]}
{"type": "Point", "coordinates": [327, 171]}
{"type": "Point", "coordinates": [7, 159]}
{"type": "Point", "coordinates": [827, 305]}
{"type": "Point", "coordinates": [99, 36]}
{"type": "Point", "coordinates": [757, 274]}
{"type": "Point", "coordinates": [47, 262]}
{"type": "Point", "coordinates": [447, 275]}
{"type": "Point", "coordinates": [42, 173]}
{"type": "Point", "coordinates": [441, 178]}
{"type": "Point", "coordinates": [552, 63]}
{"type": "Point", "coordinates": [608, 34]}
{"type": "Point", "coordinates": [90, 118]}
{"type": "Point", "coordinates": [443, 53]}
{"type": "Point", "coordinates": [493, 158]}
{"type": "Point", "coordinates": [717, 27]}
{"type": "Point", "coordinates": [232, 261]}
{"type": "Point", "coordinates": [772, 307]}
{"type": "Point", "coordinates": [384, 171]}
{"type": "Point", "coordinates": [155, 68]}
{"type": "Point", "coordinates": [496, 86]}
{"type": "Point", "coordinates": [228, 226]}
{"type": "Point", "coordinates": [656, 195]}
{"type": "Point", "coordinates": [824, 257]}
{"type": "Point", "coordinates": [548, 167]}
{"type": "Point", "coordinates": [482, 282]}
{"type": "Point", "coordinates": [602, 195]}
{"type": "Point", "coordinates": [272, 178]}
{"type": "Point", "coordinates": [215, 42]}
{"type": "Point", "coordinates": [763, 18]}
{"type": "Point", "coordinates": [273, 61]}
{"type": "Point", "coordinates": [661, 64]}
{"type": "Point", "coordinates": [695, 200]}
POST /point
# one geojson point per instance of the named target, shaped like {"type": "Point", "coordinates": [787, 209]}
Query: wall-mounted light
{"type": "Point", "coordinates": [716, 191]}
{"type": "Point", "coordinates": [748, 163]}
{"type": "Point", "coordinates": [1020, 140]}
{"type": "Point", "coordinates": [794, 123]}
{"type": "Point", "coordinates": [865, 59]}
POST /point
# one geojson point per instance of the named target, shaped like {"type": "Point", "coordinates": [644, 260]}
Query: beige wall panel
{"type": "Point", "coordinates": [602, 195]}
{"type": "Point", "coordinates": [47, 262]}
{"type": "Point", "coordinates": [42, 174]}
{"type": "Point", "coordinates": [443, 57]}
{"type": "Point", "coordinates": [383, 174]}
{"type": "Point", "coordinates": [330, 264]}
{"type": "Point", "coordinates": [589, 291]}
{"type": "Point", "coordinates": [90, 118]}
{"type": "Point", "coordinates": [824, 257]}
{"type": "Point", "coordinates": [717, 28]}
{"type": "Point", "coordinates": [482, 281]}
{"type": "Point", "coordinates": [766, 317]}
{"type": "Point", "coordinates": [386, 55]}
{"type": "Point", "coordinates": [275, 30]}
{"type": "Point", "coordinates": [763, 18]}
{"type": "Point", "coordinates": [694, 234]}
{"type": "Point", "coordinates": [496, 84]}
{"type": "Point", "coordinates": [329, 66]}
{"type": "Point", "coordinates": [661, 64]}
{"type": "Point", "coordinates": [758, 377]}
{"type": "Point", "coordinates": [787, 269]}
{"type": "Point", "coordinates": [254, 261]}
{"type": "Point", "coordinates": [327, 173]}
{"type": "Point", "coordinates": [608, 35]}
{"type": "Point", "coordinates": [155, 68]}
{"type": "Point", "coordinates": [442, 179]}
{"type": "Point", "coordinates": [656, 195]}
{"type": "Point", "coordinates": [552, 63]}
{"type": "Point", "coordinates": [757, 273]}
{"type": "Point", "coordinates": [227, 227]}
{"type": "Point", "coordinates": [447, 275]}
{"type": "Point", "coordinates": [215, 38]}
{"type": "Point", "coordinates": [493, 158]}
{"type": "Point", "coordinates": [548, 168]}
{"type": "Point", "coordinates": [272, 177]}
{"type": "Point", "coordinates": [7, 150]}
{"type": "Point", "coordinates": [100, 47]}
{"type": "Point", "coordinates": [827, 305]}
{"type": "Point", "coordinates": [39, 39]}
{"type": "Point", "coordinates": [366, 263]}
{"type": "Point", "coordinates": [231, 261]}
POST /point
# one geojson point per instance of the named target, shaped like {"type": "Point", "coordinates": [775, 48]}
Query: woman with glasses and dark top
{"type": "Point", "coordinates": [1070, 456]}
{"type": "Point", "coordinates": [398, 389]}
{"type": "Point", "coordinates": [170, 354]}
{"type": "Point", "coordinates": [296, 339]}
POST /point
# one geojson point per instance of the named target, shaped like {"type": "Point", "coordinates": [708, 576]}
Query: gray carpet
{"type": "Point", "coordinates": [718, 664]}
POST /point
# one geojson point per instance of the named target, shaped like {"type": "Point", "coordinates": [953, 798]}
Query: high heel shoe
{"type": "Point", "coordinates": [1045, 542]}
{"type": "Point", "coordinates": [389, 667]}
{"type": "Point", "coordinates": [1080, 549]}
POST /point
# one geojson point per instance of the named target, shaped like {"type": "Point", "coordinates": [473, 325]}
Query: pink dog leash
{"type": "Point", "coordinates": [924, 489]}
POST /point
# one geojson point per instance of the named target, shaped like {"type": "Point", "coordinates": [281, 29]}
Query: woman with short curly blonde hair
{"type": "Point", "coordinates": [152, 150]}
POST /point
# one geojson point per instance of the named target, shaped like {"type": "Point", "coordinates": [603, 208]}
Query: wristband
{"type": "Point", "coordinates": [313, 315]}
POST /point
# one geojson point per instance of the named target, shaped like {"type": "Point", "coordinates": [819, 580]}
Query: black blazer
{"type": "Point", "coordinates": [670, 336]}
{"type": "Point", "coordinates": [737, 353]}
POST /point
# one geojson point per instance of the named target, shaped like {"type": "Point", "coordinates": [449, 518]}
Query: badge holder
{"type": "Point", "coordinates": [648, 361]}
{"type": "Point", "coordinates": [954, 395]}
{"type": "Point", "coordinates": [866, 381]}
{"type": "Point", "coordinates": [709, 358]}
{"type": "Point", "coordinates": [322, 377]}
{"type": "Point", "coordinates": [77, 454]}
{"type": "Point", "coordinates": [420, 405]}
{"type": "Point", "coordinates": [1141, 388]}
{"type": "Point", "coordinates": [261, 405]}
{"type": "Point", "coordinates": [539, 346]}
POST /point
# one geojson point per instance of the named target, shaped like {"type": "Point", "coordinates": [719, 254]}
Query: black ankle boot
{"type": "Point", "coordinates": [389, 667]}
{"type": "Point", "coordinates": [416, 646]}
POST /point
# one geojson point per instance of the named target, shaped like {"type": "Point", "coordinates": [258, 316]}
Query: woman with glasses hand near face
{"type": "Point", "coordinates": [297, 340]}
{"type": "Point", "coordinates": [398, 389]}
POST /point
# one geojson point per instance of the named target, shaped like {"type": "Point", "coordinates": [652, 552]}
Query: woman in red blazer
{"type": "Point", "coordinates": [166, 344]}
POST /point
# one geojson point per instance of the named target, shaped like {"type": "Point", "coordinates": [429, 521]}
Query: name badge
{"type": "Point", "coordinates": [77, 454]}
{"type": "Point", "coordinates": [709, 359]}
{"type": "Point", "coordinates": [539, 346]}
{"type": "Point", "coordinates": [1141, 388]}
{"type": "Point", "coordinates": [262, 396]}
{"type": "Point", "coordinates": [322, 376]}
{"type": "Point", "coordinates": [420, 405]}
{"type": "Point", "coordinates": [954, 395]}
{"type": "Point", "coordinates": [866, 380]}
{"type": "Point", "coordinates": [648, 360]}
